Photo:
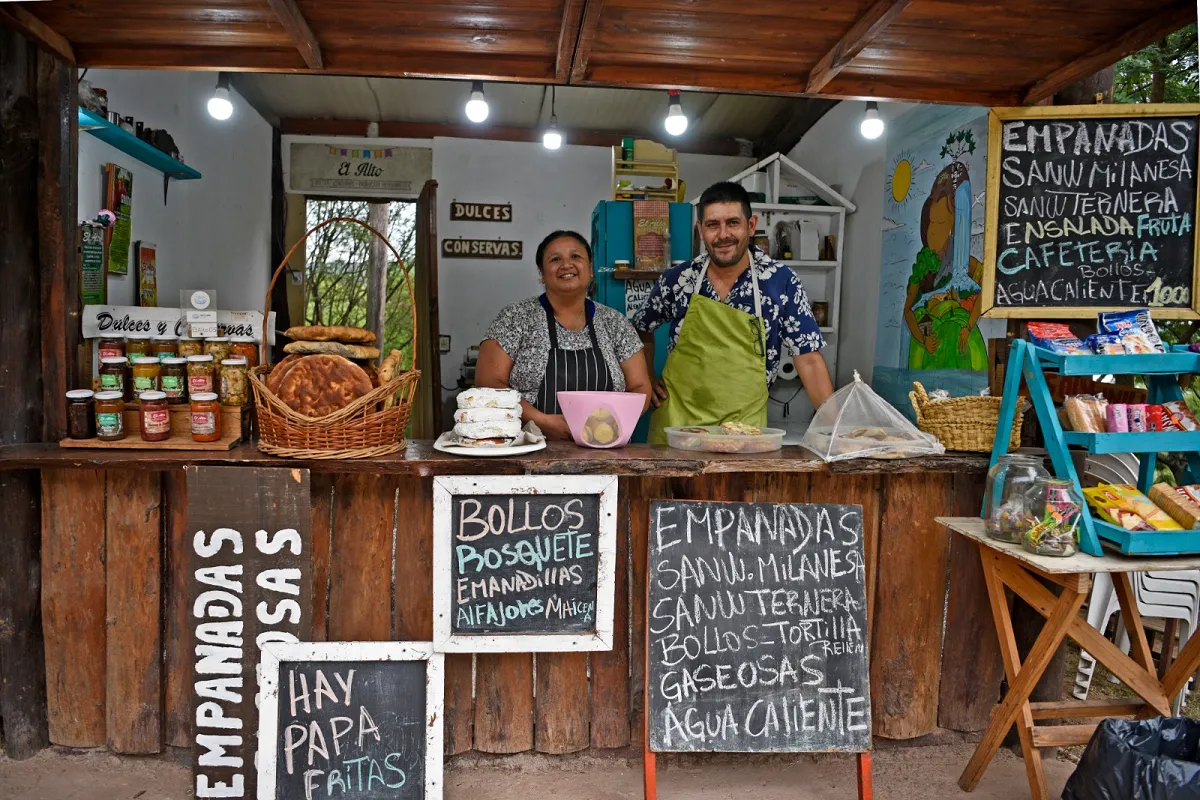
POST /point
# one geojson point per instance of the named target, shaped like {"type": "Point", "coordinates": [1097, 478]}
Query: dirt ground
{"type": "Point", "coordinates": [915, 773]}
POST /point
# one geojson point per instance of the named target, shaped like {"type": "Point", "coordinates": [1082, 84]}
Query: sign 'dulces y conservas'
{"type": "Point", "coordinates": [1092, 208]}
{"type": "Point", "coordinates": [524, 564]}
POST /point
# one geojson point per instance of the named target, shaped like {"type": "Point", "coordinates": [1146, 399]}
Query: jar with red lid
{"type": "Point", "coordinates": [206, 417]}
{"type": "Point", "coordinates": [111, 347]}
{"type": "Point", "coordinates": [154, 416]}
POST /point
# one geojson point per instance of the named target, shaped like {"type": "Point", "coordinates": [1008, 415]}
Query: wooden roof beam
{"type": "Point", "coordinates": [586, 38]}
{"type": "Point", "coordinates": [37, 31]}
{"type": "Point", "coordinates": [297, 27]}
{"type": "Point", "coordinates": [568, 38]}
{"type": "Point", "coordinates": [790, 124]}
{"type": "Point", "coordinates": [1131, 41]}
{"type": "Point", "coordinates": [868, 26]}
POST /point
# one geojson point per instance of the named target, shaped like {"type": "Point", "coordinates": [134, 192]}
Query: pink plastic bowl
{"type": "Point", "coordinates": [625, 407]}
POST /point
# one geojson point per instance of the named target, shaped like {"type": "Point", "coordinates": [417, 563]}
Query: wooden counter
{"type": "Point", "coordinates": [114, 557]}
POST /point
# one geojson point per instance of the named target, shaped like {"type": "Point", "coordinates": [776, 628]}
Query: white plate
{"type": "Point", "coordinates": [489, 452]}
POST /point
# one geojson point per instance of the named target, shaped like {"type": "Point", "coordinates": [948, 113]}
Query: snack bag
{"type": "Point", "coordinates": [1178, 504]}
{"type": "Point", "coordinates": [1136, 329]}
{"type": "Point", "coordinates": [1086, 413]}
{"type": "Point", "coordinates": [1181, 416]}
{"type": "Point", "coordinates": [1105, 344]}
{"type": "Point", "coordinates": [1126, 507]}
{"type": "Point", "coordinates": [1055, 337]}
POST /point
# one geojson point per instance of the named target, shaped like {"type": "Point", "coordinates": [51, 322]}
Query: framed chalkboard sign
{"type": "Point", "coordinates": [524, 563]}
{"type": "Point", "coordinates": [757, 629]}
{"type": "Point", "coordinates": [1091, 208]}
{"type": "Point", "coordinates": [354, 719]}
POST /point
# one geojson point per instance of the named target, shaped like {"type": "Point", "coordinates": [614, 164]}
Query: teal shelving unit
{"type": "Point", "coordinates": [134, 147]}
{"type": "Point", "coordinates": [1161, 371]}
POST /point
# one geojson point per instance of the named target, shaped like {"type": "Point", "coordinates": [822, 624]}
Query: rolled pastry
{"type": "Point", "coordinates": [487, 414]}
{"type": "Point", "coordinates": [505, 429]}
{"type": "Point", "coordinates": [489, 398]}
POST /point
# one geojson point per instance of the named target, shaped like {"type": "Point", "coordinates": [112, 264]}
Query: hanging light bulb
{"type": "Point", "coordinates": [676, 123]}
{"type": "Point", "coordinates": [872, 124]}
{"type": "Point", "coordinates": [551, 138]}
{"type": "Point", "coordinates": [477, 107]}
{"type": "Point", "coordinates": [219, 105]}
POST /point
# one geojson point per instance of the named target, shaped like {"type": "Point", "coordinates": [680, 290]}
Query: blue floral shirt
{"type": "Point", "coordinates": [791, 328]}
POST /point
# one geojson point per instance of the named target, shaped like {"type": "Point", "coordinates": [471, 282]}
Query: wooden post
{"type": "Point", "coordinates": [22, 657]}
{"type": "Point", "coordinates": [377, 270]}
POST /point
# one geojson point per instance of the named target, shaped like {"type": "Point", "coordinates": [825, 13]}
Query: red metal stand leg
{"type": "Point", "coordinates": [865, 791]}
{"type": "Point", "coordinates": [649, 774]}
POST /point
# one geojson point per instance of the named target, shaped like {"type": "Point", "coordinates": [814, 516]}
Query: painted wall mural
{"type": "Point", "coordinates": [929, 301]}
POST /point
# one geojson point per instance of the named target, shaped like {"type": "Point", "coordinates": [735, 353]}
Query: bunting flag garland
{"type": "Point", "coordinates": [363, 153]}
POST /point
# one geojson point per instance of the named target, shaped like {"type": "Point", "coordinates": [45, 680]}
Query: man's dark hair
{"type": "Point", "coordinates": [541, 249]}
{"type": "Point", "coordinates": [724, 192]}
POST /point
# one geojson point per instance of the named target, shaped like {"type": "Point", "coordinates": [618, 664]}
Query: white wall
{"type": "Point", "coordinates": [211, 233]}
{"type": "Point", "coordinates": [835, 151]}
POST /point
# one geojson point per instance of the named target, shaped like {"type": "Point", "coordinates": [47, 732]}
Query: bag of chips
{"type": "Point", "coordinates": [1126, 507]}
{"type": "Point", "coordinates": [1055, 337]}
{"type": "Point", "coordinates": [1136, 329]}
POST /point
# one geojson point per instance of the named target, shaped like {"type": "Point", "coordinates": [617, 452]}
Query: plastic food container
{"type": "Point", "coordinates": [601, 419]}
{"type": "Point", "coordinates": [714, 439]}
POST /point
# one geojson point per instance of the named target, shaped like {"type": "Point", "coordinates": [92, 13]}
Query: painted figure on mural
{"type": "Point", "coordinates": [942, 303]}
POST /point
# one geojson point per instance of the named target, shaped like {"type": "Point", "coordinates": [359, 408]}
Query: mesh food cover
{"type": "Point", "coordinates": [857, 423]}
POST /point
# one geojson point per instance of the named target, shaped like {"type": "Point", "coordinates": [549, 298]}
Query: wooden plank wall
{"type": "Point", "coordinates": [118, 654]}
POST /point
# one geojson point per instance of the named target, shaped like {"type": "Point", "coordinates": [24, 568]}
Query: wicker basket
{"type": "Point", "coordinates": [963, 423]}
{"type": "Point", "coordinates": [370, 426]}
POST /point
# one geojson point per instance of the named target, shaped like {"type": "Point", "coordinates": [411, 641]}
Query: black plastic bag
{"type": "Point", "coordinates": [1153, 759]}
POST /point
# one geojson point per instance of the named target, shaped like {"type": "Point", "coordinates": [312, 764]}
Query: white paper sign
{"type": "Point", "coordinates": [124, 320]}
{"type": "Point", "coordinates": [636, 293]}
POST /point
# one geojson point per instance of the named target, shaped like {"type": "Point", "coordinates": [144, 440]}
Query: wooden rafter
{"type": "Point", "coordinates": [568, 36]}
{"type": "Point", "coordinates": [868, 26]}
{"type": "Point", "coordinates": [587, 36]}
{"type": "Point", "coordinates": [297, 27]}
{"type": "Point", "coordinates": [791, 122]}
{"type": "Point", "coordinates": [1131, 41]}
{"type": "Point", "coordinates": [38, 32]}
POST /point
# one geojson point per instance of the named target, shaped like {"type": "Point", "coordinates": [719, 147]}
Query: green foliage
{"type": "Point", "coordinates": [958, 144]}
{"type": "Point", "coordinates": [927, 263]}
{"type": "Point", "coordinates": [1164, 72]}
{"type": "Point", "coordinates": [336, 266]}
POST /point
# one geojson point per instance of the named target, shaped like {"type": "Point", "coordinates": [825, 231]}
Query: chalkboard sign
{"type": "Point", "coordinates": [757, 628]}
{"type": "Point", "coordinates": [352, 719]}
{"type": "Point", "coordinates": [1091, 208]}
{"type": "Point", "coordinates": [524, 563]}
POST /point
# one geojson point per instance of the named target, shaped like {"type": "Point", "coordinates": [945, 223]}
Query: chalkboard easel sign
{"type": "Point", "coordinates": [524, 564]}
{"type": "Point", "coordinates": [353, 719]}
{"type": "Point", "coordinates": [1089, 208]}
{"type": "Point", "coordinates": [756, 631]}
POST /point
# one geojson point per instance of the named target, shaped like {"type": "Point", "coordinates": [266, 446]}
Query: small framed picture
{"type": "Point", "coordinates": [821, 314]}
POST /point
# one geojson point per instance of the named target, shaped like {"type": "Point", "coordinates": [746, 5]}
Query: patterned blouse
{"type": "Point", "coordinates": [791, 328]}
{"type": "Point", "coordinates": [521, 331]}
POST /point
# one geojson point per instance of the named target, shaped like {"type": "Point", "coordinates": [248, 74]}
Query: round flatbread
{"type": "Point", "coordinates": [358, 352]}
{"type": "Point", "coordinates": [329, 333]}
{"type": "Point", "coordinates": [278, 371]}
{"type": "Point", "coordinates": [489, 398]}
{"type": "Point", "coordinates": [487, 414]}
{"type": "Point", "coordinates": [508, 429]}
{"type": "Point", "coordinates": [319, 385]}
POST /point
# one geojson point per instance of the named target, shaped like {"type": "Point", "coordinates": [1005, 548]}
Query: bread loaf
{"type": "Point", "coordinates": [319, 385]}
{"type": "Point", "coordinates": [329, 333]}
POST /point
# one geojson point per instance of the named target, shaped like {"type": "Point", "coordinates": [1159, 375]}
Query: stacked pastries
{"type": "Point", "coordinates": [488, 417]}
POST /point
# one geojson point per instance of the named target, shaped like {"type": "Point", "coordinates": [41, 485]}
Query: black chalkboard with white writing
{"type": "Point", "coordinates": [757, 628]}
{"type": "Point", "coordinates": [351, 729]}
{"type": "Point", "coordinates": [524, 563]}
{"type": "Point", "coordinates": [1091, 212]}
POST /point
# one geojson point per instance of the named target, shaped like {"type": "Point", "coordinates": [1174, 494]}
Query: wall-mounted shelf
{"type": "Point", "coordinates": [636, 274]}
{"type": "Point", "coordinates": [813, 265]}
{"type": "Point", "coordinates": [132, 146]}
{"type": "Point", "coordinates": [788, 208]}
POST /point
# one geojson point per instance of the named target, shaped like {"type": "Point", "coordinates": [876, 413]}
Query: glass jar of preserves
{"type": "Point", "coordinates": [246, 347]}
{"type": "Point", "coordinates": [111, 347]}
{"type": "Point", "coordinates": [1053, 507]}
{"type": "Point", "coordinates": [81, 415]}
{"type": "Point", "coordinates": [200, 374]}
{"type": "Point", "coordinates": [154, 416]}
{"type": "Point", "coordinates": [217, 347]}
{"type": "Point", "coordinates": [1004, 498]}
{"type": "Point", "coordinates": [235, 386]}
{"type": "Point", "coordinates": [146, 371]}
{"type": "Point", "coordinates": [189, 346]}
{"type": "Point", "coordinates": [110, 416]}
{"type": "Point", "coordinates": [174, 380]}
{"type": "Point", "coordinates": [138, 345]}
{"type": "Point", "coordinates": [206, 417]}
{"type": "Point", "coordinates": [112, 374]}
{"type": "Point", "coordinates": [166, 347]}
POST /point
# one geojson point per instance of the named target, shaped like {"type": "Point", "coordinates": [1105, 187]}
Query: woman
{"type": "Point", "coordinates": [561, 341]}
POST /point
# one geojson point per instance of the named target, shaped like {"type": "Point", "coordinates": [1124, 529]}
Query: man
{"type": "Point", "coordinates": [734, 313]}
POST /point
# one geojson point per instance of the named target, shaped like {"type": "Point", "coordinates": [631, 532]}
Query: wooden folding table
{"type": "Point", "coordinates": [1010, 566]}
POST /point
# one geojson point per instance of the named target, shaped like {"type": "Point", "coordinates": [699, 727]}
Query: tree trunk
{"type": "Point", "coordinates": [1085, 91]}
{"type": "Point", "coordinates": [1158, 73]}
{"type": "Point", "coordinates": [377, 270]}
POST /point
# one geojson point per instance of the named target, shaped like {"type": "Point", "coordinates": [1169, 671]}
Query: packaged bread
{"type": "Point", "coordinates": [1086, 413]}
{"type": "Point", "coordinates": [479, 397]}
{"type": "Point", "coordinates": [1126, 507]}
{"type": "Point", "coordinates": [1179, 504]}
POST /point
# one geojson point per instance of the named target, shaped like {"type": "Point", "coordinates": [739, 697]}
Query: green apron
{"type": "Point", "coordinates": [718, 370]}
